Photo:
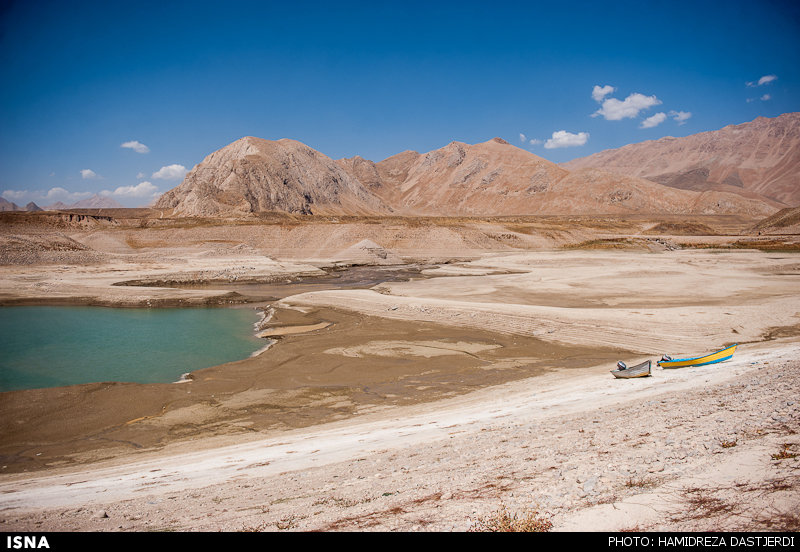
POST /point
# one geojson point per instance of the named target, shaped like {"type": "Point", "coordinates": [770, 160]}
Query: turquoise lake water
{"type": "Point", "coordinates": [55, 346]}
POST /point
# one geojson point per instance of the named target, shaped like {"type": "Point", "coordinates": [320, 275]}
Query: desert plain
{"type": "Point", "coordinates": [421, 374]}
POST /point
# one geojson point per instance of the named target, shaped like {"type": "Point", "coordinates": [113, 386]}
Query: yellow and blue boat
{"type": "Point", "coordinates": [713, 358]}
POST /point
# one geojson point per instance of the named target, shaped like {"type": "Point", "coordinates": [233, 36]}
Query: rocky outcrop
{"type": "Point", "coordinates": [759, 159]}
{"type": "Point", "coordinates": [253, 175]}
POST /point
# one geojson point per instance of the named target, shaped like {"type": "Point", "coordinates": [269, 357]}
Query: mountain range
{"type": "Point", "coordinates": [6, 205]}
{"type": "Point", "coordinates": [759, 159]}
{"type": "Point", "coordinates": [750, 169]}
{"type": "Point", "coordinates": [95, 202]}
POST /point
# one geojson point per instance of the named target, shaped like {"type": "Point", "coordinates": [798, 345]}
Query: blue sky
{"type": "Point", "coordinates": [174, 81]}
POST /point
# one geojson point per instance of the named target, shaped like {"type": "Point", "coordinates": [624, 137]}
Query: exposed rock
{"type": "Point", "coordinates": [253, 175]}
{"type": "Point", "coordinates": [367, 252]}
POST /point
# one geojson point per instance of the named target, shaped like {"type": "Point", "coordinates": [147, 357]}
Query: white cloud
{"type": "Point", "coordinates": [170, 172]}
{"type": "Point", "coordinates": [59, 193]}
{"type": "Point", "coordinates": [53, 194]}
{"type": "Point", "coordinates": [140, 175]}
{"type": "Point", "coordinates": [136, 146]}
{"type": "Point", "coordinates": [142, 189]}
{"type": "Point", "coordinates": [600, 92]}
{"type": "Point", "coordinates": [564, 139]}
{"type": "Point", "coordinates": [654, 120]}
{"type": "Point", "coordinates": [766, 97]}
{"type": "Point", "coordinates": [766, 79]}
{"type": "Point", "coordinates": [14, 195]}
{"type": "Point", "coordinates": [88, 174]}
{"type": "Point", "coordinates": [522, 137]}
{"type": "Point", "coordinates": [534, 142]}
{"type": "Point", "coordinates": [613, 109]}
{"type": "Point", "coordinates": [680, 116]}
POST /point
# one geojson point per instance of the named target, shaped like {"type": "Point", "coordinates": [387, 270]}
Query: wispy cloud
{"type": "Point", "coordinates": [170, 172]}
{"type": "Point", "coordinates": [136, 146]}
{"type": "Point", "coordinates": [766, 97]}
{"type": "Point", "coordinates": [53, 194]}
{"type": "Point", "coordinates": [14, 195]}
{"type": "Point", "coordinates": [680, 116]}
{"type": "Point", "coordinates": [532, 141]}
{"type": "Point", "coordinates": [654, 120]}
{"type": "Point", "coordinates": [564, 139]}
{"type": "Point", "coordinates": [141, 190]}
{"type": "Point", "coordinates": [766, 79]}
{"type": "Point", "coordinates": [88, 174]}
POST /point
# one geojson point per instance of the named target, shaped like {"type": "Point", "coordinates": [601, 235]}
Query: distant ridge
{"type": "Point", "coordinates": [97, 201]}
{"type": "Point", "coordinates": [493, 178]}
{"type": "Point", "coordinates": [758, 159]}
{"type": "Point", "coordinates": [6, 205]}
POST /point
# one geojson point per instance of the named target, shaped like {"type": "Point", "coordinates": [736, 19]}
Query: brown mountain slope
{"type": "Point", "coordinates": [97, 202]}
{"type": "Point", "coordinates": [592, 191]}
{"type": "Point", "coordinates": [495, 178]}
{"type": "Point", "coordinates": [384, 176]}
{"type": "Point", "coordinates": [252, 175]}
{"type": "Point", "coordinates": [491, 178]}
{"type": "Point", "coordinates": [785, 221]}
{"type": "Point", "coordinates": [759, 158]}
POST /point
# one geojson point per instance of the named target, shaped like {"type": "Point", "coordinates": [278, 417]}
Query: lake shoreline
{"type": "Point", "coordinates": [412, 395]}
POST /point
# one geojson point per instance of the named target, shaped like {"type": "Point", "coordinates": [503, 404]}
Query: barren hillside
{"type": "Point", "coordinates": [492, 178]}
{"type": "Point", "coordinates": [760, 157]}
{"type": "Point", "coordinates": [495, 178]}
{"type": "Point", "coordinates": [253, 175]}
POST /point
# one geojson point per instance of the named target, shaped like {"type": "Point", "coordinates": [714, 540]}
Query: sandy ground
{"type": "Point", "coordinates": [590, 452]}
{"type": "Point", "coordinates": [519, 422]}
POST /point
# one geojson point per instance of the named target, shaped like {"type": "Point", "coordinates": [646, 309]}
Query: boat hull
{"type": "Point", "coordinates": [639, 371]}
{"type": "Point", "coordinates": [720, 356]}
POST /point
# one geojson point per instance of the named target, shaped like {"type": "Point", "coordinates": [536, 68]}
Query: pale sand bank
{"type": "Point", "coordinates": [562, 442]}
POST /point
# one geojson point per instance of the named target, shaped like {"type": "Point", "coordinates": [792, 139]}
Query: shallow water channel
{"type": "Point", "coordinates": [51, 346]}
